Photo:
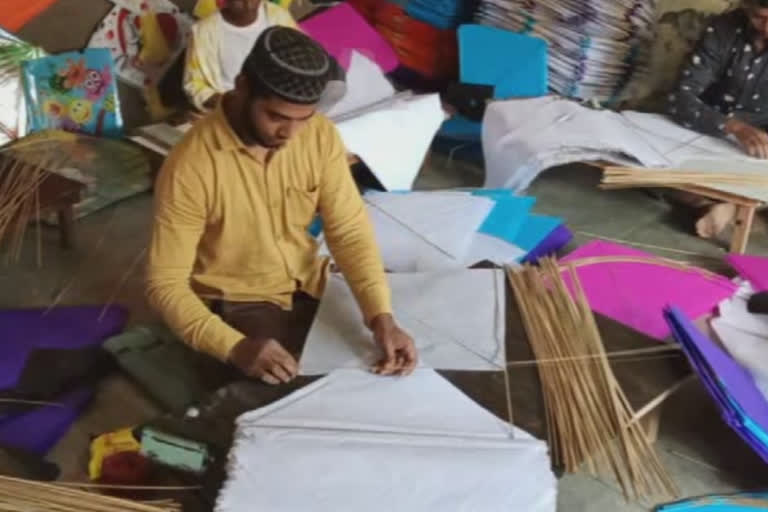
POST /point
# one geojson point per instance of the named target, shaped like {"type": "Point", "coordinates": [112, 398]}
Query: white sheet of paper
{"type": "Point", "coordinates": [354, 441]}
{"type": "Point", "coordinates": [749, 350]}
{"type": "Point", "coordinates": [744, 335]}
{"type": "Point", "coordinates": [455, 317]}
{"type": "Point", "coordinates": [366, 85]}
{"type": "Point", "coordinates": [447, 220]}
{"type": "Point", "coordinates": [394, 141]}
{"type": "Point", "coordinates": [522, 138]}
{"type": "Point", "coordinates": [403, 250]}
{"type": "Point", "coordinates": [489, 248]}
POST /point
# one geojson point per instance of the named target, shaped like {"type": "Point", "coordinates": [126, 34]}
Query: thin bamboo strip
{"type": "Point", "coordinates": [18, 494]}
{"type": "Point", "coordinates": [609, 355]}
{"type": "Point", "coordinates": [647, 246]}
{"type": "Point", "coordinates": [30, 402]}
{"type": "Point", "coordinates": [620, 177]}
{"type": "Point", "coordinates": [589, 421]}
{"type": "Point", "coordinates": [89, 485]}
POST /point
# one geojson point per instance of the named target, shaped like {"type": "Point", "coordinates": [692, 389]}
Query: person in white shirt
{"type": "Point", "coordinates": [220, 43]}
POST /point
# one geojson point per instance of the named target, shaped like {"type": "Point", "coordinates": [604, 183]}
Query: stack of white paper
{"type": "Point", "coordinates": [353, 441]}
{"type": "Point", "coordinates": [745, 335]}
{"type": "Point", "coordinates": [456, 319]}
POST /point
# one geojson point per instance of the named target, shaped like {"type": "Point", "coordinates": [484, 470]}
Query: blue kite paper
{"type": "Point", "coordinates": [744, 502]}
{"type": "Point", "coordinates": [73, 91]}
{"type": "Point", "coordinates": [535, 230]}
{"type": "Point", "coordinates": [741, 403]}
{"type": "Point", "coordinates": [515, 64]}
{"type": "Point", "coordinates": [508, 216]}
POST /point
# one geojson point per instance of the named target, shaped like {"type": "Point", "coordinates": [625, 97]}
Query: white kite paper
{"type": "Point", "coordinates": [393, 139]}
{"type": "Point", "coordinates": [522, 138]}
{"type": "Point", "coordinates": [353, 441]}
{"type": "Point", "coordinates": [456, 318]}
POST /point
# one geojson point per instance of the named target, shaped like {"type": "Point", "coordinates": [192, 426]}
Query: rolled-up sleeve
{"type": "Point", "coordinates": [349, 233]}
{"type": "Point", "coordinates": [179, 222]}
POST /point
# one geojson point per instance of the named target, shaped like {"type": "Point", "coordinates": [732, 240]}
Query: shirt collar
{"type": "Point", "coordinates": [227, 140]}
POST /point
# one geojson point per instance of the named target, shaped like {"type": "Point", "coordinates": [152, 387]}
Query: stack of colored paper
{"type": "Point", "coordinates": [430, 51]}
{"type": "Point", "coordinates": [733, 388]}
{"type": "Point", "coordinates": [443, 14]}
{"type": "Point", "coordinates": [594, 46]}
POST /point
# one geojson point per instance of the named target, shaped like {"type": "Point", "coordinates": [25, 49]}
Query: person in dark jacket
{"type": "Point", "coordinates": [723, 90]}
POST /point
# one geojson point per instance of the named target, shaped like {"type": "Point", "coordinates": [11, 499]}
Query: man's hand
{"type": "Point", "coordinates": [265, 359]}
{"type": "Point", "coordinates": [754, 140]}
{"type": "Point", "coordinates": [400, 355]}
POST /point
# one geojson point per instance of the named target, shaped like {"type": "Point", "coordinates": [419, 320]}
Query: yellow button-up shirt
{"type": "Point", "coordinates": [231, 223]}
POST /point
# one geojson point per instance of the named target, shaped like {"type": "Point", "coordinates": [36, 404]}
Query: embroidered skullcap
{"type": "Point", "coordinates": [290, 65]}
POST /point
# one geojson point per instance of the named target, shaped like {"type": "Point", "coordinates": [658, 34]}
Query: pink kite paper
{"type": "Point", "coordinates": [342, 29]}
{"type": "Point", "coordinates": [635, 294]}
{"type": "Point", "coordinates": [752, 268]}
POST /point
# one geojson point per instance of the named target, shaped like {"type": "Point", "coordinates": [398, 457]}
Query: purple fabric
{"type": "Point", "coordinates": [555, 241]}
{"type": "Point", "coordinates": [38, 430]}
{"type": "Point", "coordinates": [22, 331]}
{"type": "Point", "coordinates": [730, 384]}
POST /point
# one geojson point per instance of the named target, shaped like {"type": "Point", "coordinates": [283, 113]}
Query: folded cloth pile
{"type": "Point", "coordinates": [595, 47]}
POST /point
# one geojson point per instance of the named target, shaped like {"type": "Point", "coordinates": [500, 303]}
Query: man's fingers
{"type": "Point", "coordinates": [385, 366]}
{"type": "Point", "coordinates": [280, 373]}
{"type": "Point", "coordinates": [269, 379]}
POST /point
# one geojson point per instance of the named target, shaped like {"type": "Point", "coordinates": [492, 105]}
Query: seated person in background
{"type": "Point", "coordinates": [233, 204]}
{"type": "Point", "coordinates": [219, 44]}
{"type": "Point", "coordinates": [723, 90]}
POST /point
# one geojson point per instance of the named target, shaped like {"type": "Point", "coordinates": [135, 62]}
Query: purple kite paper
{"type": "Point", "coordinates": [342, 30]}
{"type": "Point", "coordinates": [23, 331]}
{"type": "Point", "coordinates": [752, 268]}
{"type": "Point", "coordinates": [635, 294]}
{"type": "Point", "coordinates": [742, 404]}
{"type": "Point", "coordinates": [38, 430]}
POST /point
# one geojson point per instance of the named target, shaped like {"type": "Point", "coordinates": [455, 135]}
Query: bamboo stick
{"type": "Point", "coordinates": [17, 495]}
{"type": "Point", "coordinates": [589, 420]}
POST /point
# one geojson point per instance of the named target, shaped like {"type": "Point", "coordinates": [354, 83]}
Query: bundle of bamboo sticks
{"type": "Point", "coordinates": [19, 495]}
{"type": "Point", "coordinates": [589, 420]}
{"type": "Point", "coordinates": [23, 168]}
{"type": "Point", "coordinates": [626, 177]}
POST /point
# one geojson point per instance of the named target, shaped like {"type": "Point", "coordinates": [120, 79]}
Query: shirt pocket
{"type": "Point", "coordinates": [301, 206]}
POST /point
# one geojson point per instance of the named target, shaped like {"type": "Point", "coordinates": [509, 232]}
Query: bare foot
{"type": "Point", "coordinates": [716, 220]}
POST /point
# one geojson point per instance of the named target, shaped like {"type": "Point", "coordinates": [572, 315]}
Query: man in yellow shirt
{"type": "Point", "coordinates": [233, 204]}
